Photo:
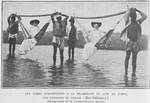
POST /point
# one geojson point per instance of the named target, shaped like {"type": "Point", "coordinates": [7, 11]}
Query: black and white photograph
{"type": "Point", "coordinates": [74, 44]}
{"type": "Point", "coordinates": [74, 51]}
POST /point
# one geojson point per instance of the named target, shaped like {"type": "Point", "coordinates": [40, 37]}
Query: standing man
{"type": "Point", "coordinates": [12, 31]}
{"type": "Point", "coordinates": [59, 33]}
{"type": "Point", "coordinates": [133, 34]}
{"type": "Point", "coordinates": [71, 37]}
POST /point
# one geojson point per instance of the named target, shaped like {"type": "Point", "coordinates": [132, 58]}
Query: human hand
{"type": "Point", "coordinates": [55, 13]}
{"type": "Point", "coordinates": [62, 14]}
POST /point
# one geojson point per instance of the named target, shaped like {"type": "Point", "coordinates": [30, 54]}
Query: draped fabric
{"type": "Point", "coordinates": [104, 39]}
{"type": "Point", "coordinates": [85, 32]}
{"type": "Point", "coordinates": [24, 30]}
{"type": "Point", "coordinates": [28, 44]}
{"type": "Point", "coordinates": [40, 34]}
{"type": "Point", "coordinates": [89, 48]}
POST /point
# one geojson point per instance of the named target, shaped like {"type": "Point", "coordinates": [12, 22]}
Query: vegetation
{"type": "Point", "coordinates": [114, 43]}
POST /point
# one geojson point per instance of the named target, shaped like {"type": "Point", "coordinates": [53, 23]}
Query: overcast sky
{"type": "Point", "coordinates": [79, 8]}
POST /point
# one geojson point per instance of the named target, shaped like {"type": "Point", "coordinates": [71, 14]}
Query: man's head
{"type": "Point", "coordinates": [58, 17]}
{"type": "Point", "coordinates": [133, 14]}
{"type": "Point", "coordinates": [72, 21]}
{"type": "Point", "coordinates": [13, 18]}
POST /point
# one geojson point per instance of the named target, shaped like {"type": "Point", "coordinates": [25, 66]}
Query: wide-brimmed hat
{"type": "Point", "coordinates": [34, 21]}
{"type": "Point", "coordinates": [99, 24]}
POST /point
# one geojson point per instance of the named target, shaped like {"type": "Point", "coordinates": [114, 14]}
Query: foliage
{"type": "Point", "coordinates": [114, 42]}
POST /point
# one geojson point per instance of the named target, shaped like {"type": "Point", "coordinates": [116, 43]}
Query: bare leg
{"type": "Point", "coordinates": [128, 53]}
{"type": "Point", "coordinates": [69, 52]}
{"type": "Point", "coordinates": [61, 56]}
{"type": "Point", "coordinates": [54, 53]}
{"type": "Point", "coordinates": [134, 58]}
{"type": "Point", "coordinates": [72, 53]}
{"type": "Point", "coordinates": [14, 46]}
{"type": "Point", "coordinates": [10, 44]}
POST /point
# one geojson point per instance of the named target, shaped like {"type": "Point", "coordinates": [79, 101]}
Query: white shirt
{"type": "Point", "coordinates": [95, 35]}
{"type": "Point", "coordinates": [34, 30]}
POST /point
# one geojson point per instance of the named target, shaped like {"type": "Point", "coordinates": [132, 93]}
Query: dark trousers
{"type": "Point", "coordinates": [12, 44]}
{"type": "Point", "coordinates": [71, 46]}
{"type": "Point", "coordinates": [71, 49]}
{"type": "Point", "coordinates": [55, 52]}
{"type": "Point", "coordinates": [134, 58]}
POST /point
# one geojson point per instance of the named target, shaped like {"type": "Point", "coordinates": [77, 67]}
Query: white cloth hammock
{"type": "Point", "coordinates": [28, 44]}
{"type": "Point", "coordinates": [101, 42]}
{"type": "Point", "coordinates": [24, 30]}
{"type": "Point", "coordinates": [85, 32]}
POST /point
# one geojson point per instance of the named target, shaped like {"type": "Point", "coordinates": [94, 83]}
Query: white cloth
{"type": "Point", "coordinates": [60, 41]}
{"type": "Point", "coordinates": [34, 30]}
{"type": "Point", "coordinates": [89, 48]}
{"type": "Point", "coordinates": [12, 36]}
{"type": "Point", "coordinates": [54, 39]}
{"type": "Point", "coordinates": [27, 45]}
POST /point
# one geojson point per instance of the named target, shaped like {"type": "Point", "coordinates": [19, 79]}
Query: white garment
{"type": "Point", "coordinates": [89, 48]}
{"type": "Point", "coordinates": [12, 36]}
{"type": "Point", "coordinates": [34, 30]}
{"type": "Point", "coordinates": [27, 45]}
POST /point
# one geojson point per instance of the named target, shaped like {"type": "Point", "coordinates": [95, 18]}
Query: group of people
{"type": "Point", "coordinates": [131, 34]}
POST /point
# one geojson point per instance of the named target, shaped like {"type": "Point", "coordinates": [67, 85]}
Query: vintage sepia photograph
{"type": "Point", "coordinates": [74, 44]}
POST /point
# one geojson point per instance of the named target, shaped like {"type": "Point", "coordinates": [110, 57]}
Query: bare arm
{"type": "Point", "coordinates": [66, 17]}
{"type": "Point", "coordinates": [52, 16]}
{"type": "Point", "coordinates": [144, 16]}
{"type": "Point", "coordinates": [8, 19]}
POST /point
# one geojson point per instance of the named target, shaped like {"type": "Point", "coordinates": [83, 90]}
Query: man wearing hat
{"type": "Point", "coordinates": [71, 37]}
{"type": "Point", "coordinates": [59, 33]}
{"type": "Point", "coordinates": [131, 34]}
{"type": "Point", "coordinates": [95, 35]}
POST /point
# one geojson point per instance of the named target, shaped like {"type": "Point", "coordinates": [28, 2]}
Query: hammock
{"type": "Point", "coordinates": [24, 30]}
{"type": "Point", "coordinates": [85, 32]}
{"type": "Point", "coordinates": [28, 44]}
{"type": "Point", "coordinates": [104, 39]}
{"type": "Point", "coordinates": [38, 36]}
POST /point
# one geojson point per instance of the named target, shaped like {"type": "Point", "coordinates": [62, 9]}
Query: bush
{"type": "Point", "coordinates": [114, 43]}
